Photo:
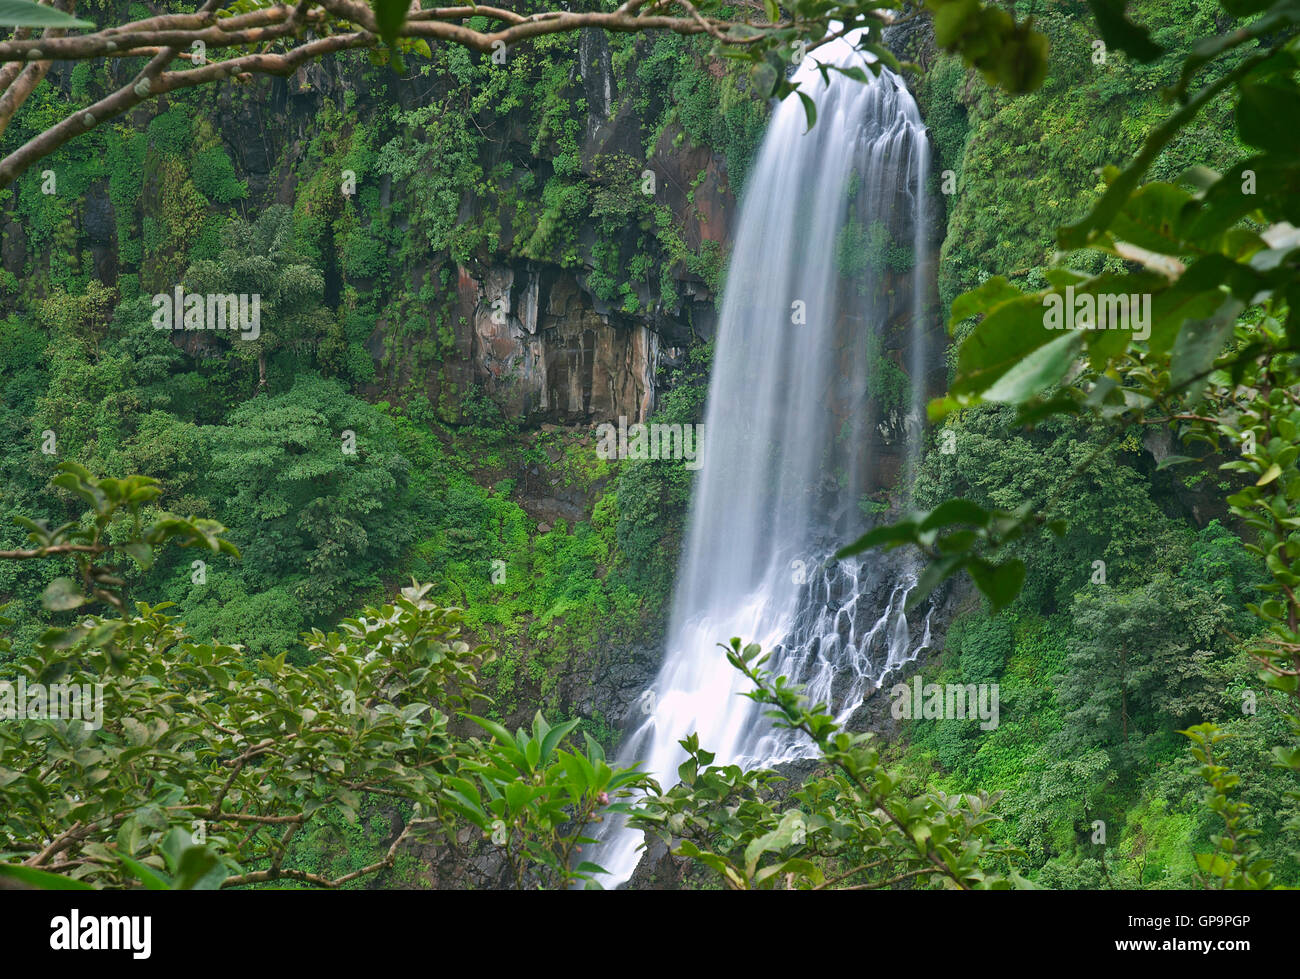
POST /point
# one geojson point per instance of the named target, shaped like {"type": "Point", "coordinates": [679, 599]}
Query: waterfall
{"type": "Point", "coordinates": [827, 222]}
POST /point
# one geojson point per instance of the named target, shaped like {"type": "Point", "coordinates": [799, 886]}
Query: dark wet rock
{"type": "Point", "coordinates": [98, 221]}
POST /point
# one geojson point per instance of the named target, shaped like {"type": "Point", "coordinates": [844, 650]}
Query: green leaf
{"type": "Point", "coordinates": [61, 595]}
{"type": "Point", "coordinates": [128, 836]}
{"type": "Point", "coordinates": [951, 19]}
{"type": "Point", "coordinates": [778, 839]}
{"type": "Point", "coordinates": [1041, 369]}
{"type": "Point", "coordinates": [1121, 33]}
{"type": "Point", "coordinates": [854, 72]}
{"type": "Point", "coordinates": [1268, 116]}
{"type": "Point", "coordinates": [23, 13]}
{"type": "Point", "coordinates": [1287, 757]}
{"type": "Point", "coordinates": [42, 878]}
{"type": "Point", "coordinates": [956, 511]}
{"type": "Point", "coordinates": [493, 728]}
{"type": "Point", "coordinates": [1273, 472]}
{"type": "Point", "coordinates": [555, 735]}
{"type": "Point", "coordinates": [903, 532]}
{"type": "Point", "coordinates": [152, 879]}
{"type": "Point", "coordinates": [1001, 341]}
{"type": "Point", "coordinates": [935, 572]}
{"type": "Point", "coordinates": [198, 870]}
{"type": "Point", "coordinates": [796, 865]}
{"type": "Point", "coordinates": [1199, 343]}
{"type": "Point", "coordinates": [136, 733]}
{"type": "Point", "coordinates": [390, 15]}
{"type": "Point", "coordinates": [999, 583]}
{"type": "Point", "coordinates": [809, 110]}
{"type": "Point", "coordinates": [141, 551]}
{"type": "Point", "coordinates": [994, 292]}
{"type": "Point", "coordinates": [1153, 218]}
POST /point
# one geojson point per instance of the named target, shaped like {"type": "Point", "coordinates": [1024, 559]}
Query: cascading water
{"type": "Point", "coordinates": [788, 434]}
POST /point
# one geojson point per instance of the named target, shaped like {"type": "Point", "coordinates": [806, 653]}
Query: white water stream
{"type": "Point", "coordinates": [787, 438]}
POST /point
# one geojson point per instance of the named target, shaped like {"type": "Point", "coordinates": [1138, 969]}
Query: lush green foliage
{"type": "Point", "coordinates": [1154, 647]}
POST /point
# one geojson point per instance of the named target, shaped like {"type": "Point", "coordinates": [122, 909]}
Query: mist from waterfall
{"type": "Point", "coordinates": [788, 436]}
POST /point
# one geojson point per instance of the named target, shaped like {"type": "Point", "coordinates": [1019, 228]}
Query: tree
{"type": "Point", "coordinates": [1143, 657]}
{"type": "Point", "coordinates": [258, 258]}
{"type": "Point", "coordinates": [852, 828]}
{"type": "Point", "coordinates": [240, 758]}
{"type": "Point", "coordinates": [85, 317]}
{"type": "Point", "coordinates": [314, 489]}
{"type": "Point", "coordinates": [182, 764]}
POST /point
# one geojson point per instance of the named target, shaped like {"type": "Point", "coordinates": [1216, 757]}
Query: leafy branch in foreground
{"type": "Point", "coordinates": [851, 829]}
{"type": "Point", "coordinates": [951, 537]}
{"type": "Point", "coordinates": [188, 740]}
{"type": "Point", "coordinates": [115, 528]}
{"type": "Point", "coordinates": [1236, 862]}
{"type": "Point", "coordinates": [534, 799]}
{"type": "Point", "coordinates": [171, 763]}
{"type": "Point", "coordinates": [226, 40]}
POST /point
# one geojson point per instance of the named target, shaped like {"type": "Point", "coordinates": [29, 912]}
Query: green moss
{"type": "Point", "coordinates": [170, 132]}
{"type": "Point", "coordinates": [871, 249]}
{"type": "Point", "coordinates": [126, 156]}
{"type": "Point", "coordinates": [215, 178]}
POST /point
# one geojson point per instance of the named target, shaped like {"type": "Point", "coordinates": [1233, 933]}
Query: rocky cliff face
{"type": "Point", "coordinates": [542, 349]}
{"type": "Point", "coordinates": [544, 344]}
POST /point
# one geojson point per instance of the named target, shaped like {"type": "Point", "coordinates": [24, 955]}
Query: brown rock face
{"type": "Point", "coordinates": [13, 248]}
{"type": "Point", "coordinates": [544, 353]}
